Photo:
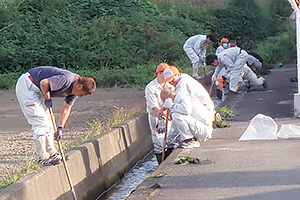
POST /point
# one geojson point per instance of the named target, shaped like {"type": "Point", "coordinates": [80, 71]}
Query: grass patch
{"type": "Point", "coordinates": [30, 167]}
{"type": "Point", "coordinates": [226, 112]}
{"type": "Point", "coordinates": [97, 127]}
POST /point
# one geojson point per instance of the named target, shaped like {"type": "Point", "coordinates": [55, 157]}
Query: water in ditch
{"type": "Point", "coordinates": [138, 173]}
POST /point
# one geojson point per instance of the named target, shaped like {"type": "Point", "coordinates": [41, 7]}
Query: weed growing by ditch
{"type": "Point", "coordinates": [30, 166]}
{"type": "Point", "coordinates": [97, 127]}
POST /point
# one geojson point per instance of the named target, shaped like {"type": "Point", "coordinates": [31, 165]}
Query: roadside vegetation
{"type": "Point", "coordinates": [122, 42]}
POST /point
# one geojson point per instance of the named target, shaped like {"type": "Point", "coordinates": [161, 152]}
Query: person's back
{"type": "Point", "coordinates": [228, 57]}
{"type": "Point", "coordinates": [193, 87]}
{"type": "Point", "coordinates": [195, 41]}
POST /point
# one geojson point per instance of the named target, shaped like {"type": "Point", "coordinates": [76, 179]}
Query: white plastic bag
{"type": "Point", "coordinates": [261, 127]}
{"type": "Point", "coordinates": [289, 131]}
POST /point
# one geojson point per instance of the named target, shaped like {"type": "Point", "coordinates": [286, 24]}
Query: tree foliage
{"type": "Point", "coordinates": [122, 35]}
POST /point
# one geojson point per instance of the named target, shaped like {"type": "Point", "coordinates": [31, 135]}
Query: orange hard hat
{"type": "Point", "coordinates": [224, 40]}
{"type": "Point", "coordinates": [161, 67]}
{"type": "Point", "coordinates": [170, 73]}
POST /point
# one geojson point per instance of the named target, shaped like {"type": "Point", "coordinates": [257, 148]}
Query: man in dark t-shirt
{"type": "Point", "coordinates": [34, 90]}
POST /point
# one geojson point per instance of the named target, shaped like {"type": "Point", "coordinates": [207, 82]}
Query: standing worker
{"type": "Point", "coordinates": [223, 45]}
{"type": "Point", "coordinates": [34, 91]}
{"type": "Point", "coordinates": [195, 49]}
{"type": "Point", "coordinates": [154, 104]}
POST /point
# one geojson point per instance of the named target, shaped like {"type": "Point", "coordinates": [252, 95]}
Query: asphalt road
{"type": "Point", "coordinates": [235, 170]}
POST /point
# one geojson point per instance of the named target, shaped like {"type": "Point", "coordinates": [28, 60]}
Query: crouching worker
{"type": "Point", "coordinates": [190, 117]}
{"type": "Point", "coordinates": [34, 91]}
{"type": "Point", "coordinates": [154, 104]}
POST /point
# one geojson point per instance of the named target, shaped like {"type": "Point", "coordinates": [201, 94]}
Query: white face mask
{"type": "Point", "coordinates": [226, 45]}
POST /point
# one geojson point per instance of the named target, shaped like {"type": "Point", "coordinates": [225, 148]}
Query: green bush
{"type": "Point", "coordinates": [281, 48]}
{"type": "Point", "coordinates": [117, 37]}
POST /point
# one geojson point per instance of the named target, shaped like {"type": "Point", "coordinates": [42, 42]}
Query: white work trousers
{"type": "Point", "coordinates": [196, 62]}
{"type": "Point", "coordinates": [235, 74]}
{"type": "Point", "coordinates": [158, 138]}
{"type": "Point", "coordinates": [251, 76]}
{"type": "Point", "coordinates": [189, 127]}
{"type": "Point", "coordinates": [31, 101]}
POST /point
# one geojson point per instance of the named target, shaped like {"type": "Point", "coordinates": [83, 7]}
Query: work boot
{"type": "Point", "coordinates": [48, 161]}
{"type": "Point", "coordinates": [196, 76]}
{"type": "Point", "coordinates": [265, 84]}
{"type": "Point", "coordinates": [158, 157]}
{"type": "Point", "coordinates": [189, 144]}
{"type": "Point", "coordinates": [56, 157]}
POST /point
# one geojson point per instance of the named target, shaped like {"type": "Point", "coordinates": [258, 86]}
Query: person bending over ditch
{"type": "Point", "coordinates": [195, 49]}
{"type": "Point", "coordinates": [34, 90]}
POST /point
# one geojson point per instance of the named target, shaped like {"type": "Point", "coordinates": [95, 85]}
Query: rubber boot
{"type": "Point", "coordinates": [168, 152]}
{"type": "Point", "coordinates": [158, 157]}
{"type": "Point", "coordinates": [195, 72]}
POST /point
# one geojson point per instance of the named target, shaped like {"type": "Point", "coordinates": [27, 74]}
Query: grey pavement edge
{"type": "Point", "coordinates": [235, 170]}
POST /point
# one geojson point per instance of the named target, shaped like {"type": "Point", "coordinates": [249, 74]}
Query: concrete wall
{"type": "Point", "coordinates": [93, 166]}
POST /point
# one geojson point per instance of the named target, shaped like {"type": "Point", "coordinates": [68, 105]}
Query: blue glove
{"type": "Point", "coordinates": [58, 135]}
{"type": "Point", "coordinates": [48, 103]}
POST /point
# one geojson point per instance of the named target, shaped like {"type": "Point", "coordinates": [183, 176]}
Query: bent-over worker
{"type": "Point", "coordinates": [34, 90]}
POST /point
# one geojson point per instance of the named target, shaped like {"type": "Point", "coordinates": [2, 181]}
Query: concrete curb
{"type": "Point", "coordinates": [94, 166]}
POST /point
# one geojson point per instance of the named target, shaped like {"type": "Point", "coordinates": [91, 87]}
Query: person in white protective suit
{"type": "Point", "coordinates": [34, 90]}
{"type": "Point", "coordinates": [154, 104]}
{"type": "Point", "coordinates": [190, 117]}
{"type": "Point", "coordinates": [223, 45]}
{"type": "Point", "coordinates": [184, 83]}
{"type": "Point", "coordinates": [250, 76]}
{"type": "Point", "coordinates": [195, 49]}
{"type": "Point", "coordinates": [233, 60]}
{"type": "Point", "coordinates": [254, 61]}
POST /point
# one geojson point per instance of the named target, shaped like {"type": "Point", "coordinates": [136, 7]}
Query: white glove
{"type": "Point", "coordinates": [160, 125]}
{"type": "Point", "coordinates": [168, 103]}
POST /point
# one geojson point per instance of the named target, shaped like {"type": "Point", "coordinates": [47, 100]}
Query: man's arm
{"type": "Point", "coordinates": [45, 88]}
{"type": "Point", "coordinates": [64, 114]}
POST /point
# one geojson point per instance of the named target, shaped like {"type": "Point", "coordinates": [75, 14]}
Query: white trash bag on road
{"type": "Point", "coordinates": [261, 127]}
{"type": "Point", "coordinates": [289, 131]}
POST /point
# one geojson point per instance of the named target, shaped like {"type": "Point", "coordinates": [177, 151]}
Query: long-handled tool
{"type": "Point", "coordinates": [63, 155]}
{"type": "Point", "coordinates": [165, 138]}
{"type": "Point", "coordinates": [211, 86]}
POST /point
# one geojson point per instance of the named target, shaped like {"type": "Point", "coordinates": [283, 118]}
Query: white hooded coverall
{"type": "Point", "coordinates": [254, 61]}
{"type": "Point", "coordinates": [152, 95]}
{"type": "Point", "coordinates": [189, 85]}
{"type": "Point", "coordinates": [251, 76]}
{"type": "Point", "coordinates": [191, 117]}
{"type": "Point", "coordinates": [233, 60]}
{"type": "Point", "coordinates": [195, 48]}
